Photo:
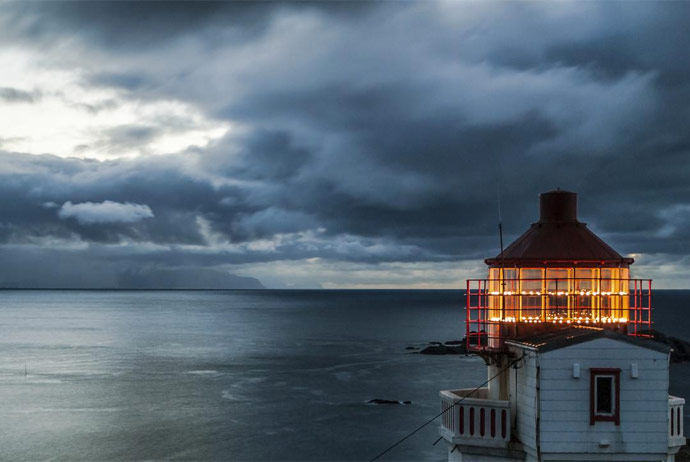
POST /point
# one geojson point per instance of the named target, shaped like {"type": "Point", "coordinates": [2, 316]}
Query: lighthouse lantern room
{"type": "Point", "coordinates": [561, 326]}
{"type": "Point", "coordinates": [558, 273]}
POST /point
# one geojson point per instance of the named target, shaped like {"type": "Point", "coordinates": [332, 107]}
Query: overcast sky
{"type": "Point", "coordinates": [343, 144]}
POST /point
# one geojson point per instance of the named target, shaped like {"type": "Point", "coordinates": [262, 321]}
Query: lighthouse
{"type": "Point", "coordinates": [572, 374]}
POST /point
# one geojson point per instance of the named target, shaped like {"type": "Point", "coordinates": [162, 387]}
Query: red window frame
{"type": "Point", "coordinates": [616, 415]}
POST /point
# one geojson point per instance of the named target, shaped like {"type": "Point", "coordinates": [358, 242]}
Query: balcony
{"type": "Point", "coordinates": [474, 421]}
{"type": "Point", "coordinates": [478, 421]}
{"type": "Point", "coordinates": [675, 423]}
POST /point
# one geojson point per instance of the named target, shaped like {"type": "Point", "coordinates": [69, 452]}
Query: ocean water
{"type": "Point", "coordinates": [236, 375]}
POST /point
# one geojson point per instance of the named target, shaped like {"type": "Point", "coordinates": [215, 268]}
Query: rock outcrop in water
{"type": "Point", "coordinates": [453, 347]}
{"type": "Point", "coordinates": [387, 401]}
{"type": "Point", "coordinates": [681, 348]}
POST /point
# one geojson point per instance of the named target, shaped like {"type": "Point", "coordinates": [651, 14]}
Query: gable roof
{"type": "Point", "coordinates": [574, 335]}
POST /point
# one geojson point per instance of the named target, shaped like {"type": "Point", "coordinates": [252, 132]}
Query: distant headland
{"type": "Point", "coordinates": [152, 279]}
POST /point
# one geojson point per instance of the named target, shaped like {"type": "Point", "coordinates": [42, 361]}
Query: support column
{"type": "Point", "coordinates": [499, 387]}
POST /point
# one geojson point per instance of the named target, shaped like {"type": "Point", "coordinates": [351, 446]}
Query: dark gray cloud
{"type": "Point", "coordinates": [126, 136]}
{"type": "Point", "coordinates": [14, 95]}
{"type": "Point", "coordinates": [366, 133]}
{"type": "Point", "coordinates": [148, 24]}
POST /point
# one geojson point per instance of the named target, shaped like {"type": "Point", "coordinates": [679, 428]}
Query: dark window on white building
{"type": "Point", "coordinates": [604, 396]}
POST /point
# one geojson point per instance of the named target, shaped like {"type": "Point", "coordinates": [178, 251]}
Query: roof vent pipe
{"type": "Point", "coordinates": [557, 207]}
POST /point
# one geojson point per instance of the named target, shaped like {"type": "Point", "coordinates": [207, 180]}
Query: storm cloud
{"type": "Point", "coordinates": [310, 144]}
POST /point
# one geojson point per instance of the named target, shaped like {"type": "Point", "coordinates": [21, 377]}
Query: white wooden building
{"type": "Point", "coordinates": [572, 375]}
{"type": "Point", "coordinates": [580, 393]}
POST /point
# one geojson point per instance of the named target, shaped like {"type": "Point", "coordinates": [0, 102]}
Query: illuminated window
{"type": "Point", "coordinates": [584, 286]}
{"type": "Point", "coordinates": [531, 282]}
{"type": "Point", "coordinates": [604, 396]}
{"type": "Point", "coordinates": [557, 286]}
{"type": "Point", "coordinates": [503, 289]}
{"type": "Point", "coordinates": [609, 285]}
{"type": "Point", "coordinates": [511, 285]}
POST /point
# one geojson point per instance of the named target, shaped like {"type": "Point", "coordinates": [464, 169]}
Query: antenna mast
{"type": "Point", "coordinates": [500, 237]}
{"type": "Point", "coordinates": [500, 224]}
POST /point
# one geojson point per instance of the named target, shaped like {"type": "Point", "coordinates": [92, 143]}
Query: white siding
{"type": "Point", "coordinates": [523, 394]}
{"type": "Point", "coordinates": [564, 405]}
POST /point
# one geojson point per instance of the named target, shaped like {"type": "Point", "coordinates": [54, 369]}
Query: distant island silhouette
{"type": "Point", "coordinates": [183, 278]}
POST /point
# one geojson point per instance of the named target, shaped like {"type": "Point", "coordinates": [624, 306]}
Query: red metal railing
{"type": "Point", "coordinates": [511, 308]}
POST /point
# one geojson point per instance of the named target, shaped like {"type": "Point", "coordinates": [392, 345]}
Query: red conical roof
{"type": "Point", "coordinates": [558, 238]}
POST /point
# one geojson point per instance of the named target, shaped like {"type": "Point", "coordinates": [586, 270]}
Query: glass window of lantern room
{"type": "Point", "coordinates": [494, 280]}
{"type": "Point", "coordinates": [494, 289]}
{"type": "Point", "coordinates": [624, 276]}
{"type": "Point", "coordinates": [614, 292]}
{"type": "Point", "coordinates": [624, 288]}
{"type": "Point", "coordinates": [557, 287]}
{"type": "Point", "coordinates": [623, 279]}
{"type": "Point", "coordinates": [531, 286]}
{"type": "Point", "coordinates": [585, 279]}
{"type": "Point", "coordinates": [609, 298]}
{"type": "Point", "coordinates": [608, 277]}
{"type": "Point", "coordinates": [503, 284]}
{"type": "Point", "coordinates": [510, 278]}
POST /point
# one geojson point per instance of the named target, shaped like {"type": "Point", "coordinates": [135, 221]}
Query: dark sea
{"type": "Point", "coordinates": [237, 375]}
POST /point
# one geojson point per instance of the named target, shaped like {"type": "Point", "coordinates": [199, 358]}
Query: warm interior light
{"type": "Point", "coordinates": [603, 297]}
{"type": "Point", "coordinates": [559, 319]}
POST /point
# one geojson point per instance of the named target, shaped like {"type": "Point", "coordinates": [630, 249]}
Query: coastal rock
{"type": "Point", "coordinates": [449, 348]}
{"type": "Point", "coordinates": [681, 348]}
{"type": "Point", "coordinates": [387, 401]}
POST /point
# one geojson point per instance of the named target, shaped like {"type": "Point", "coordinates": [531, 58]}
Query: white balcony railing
{"type": "Point", "coordinates": [475, 421]}
{"type": "Point", "coordinates": [675, 421]}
